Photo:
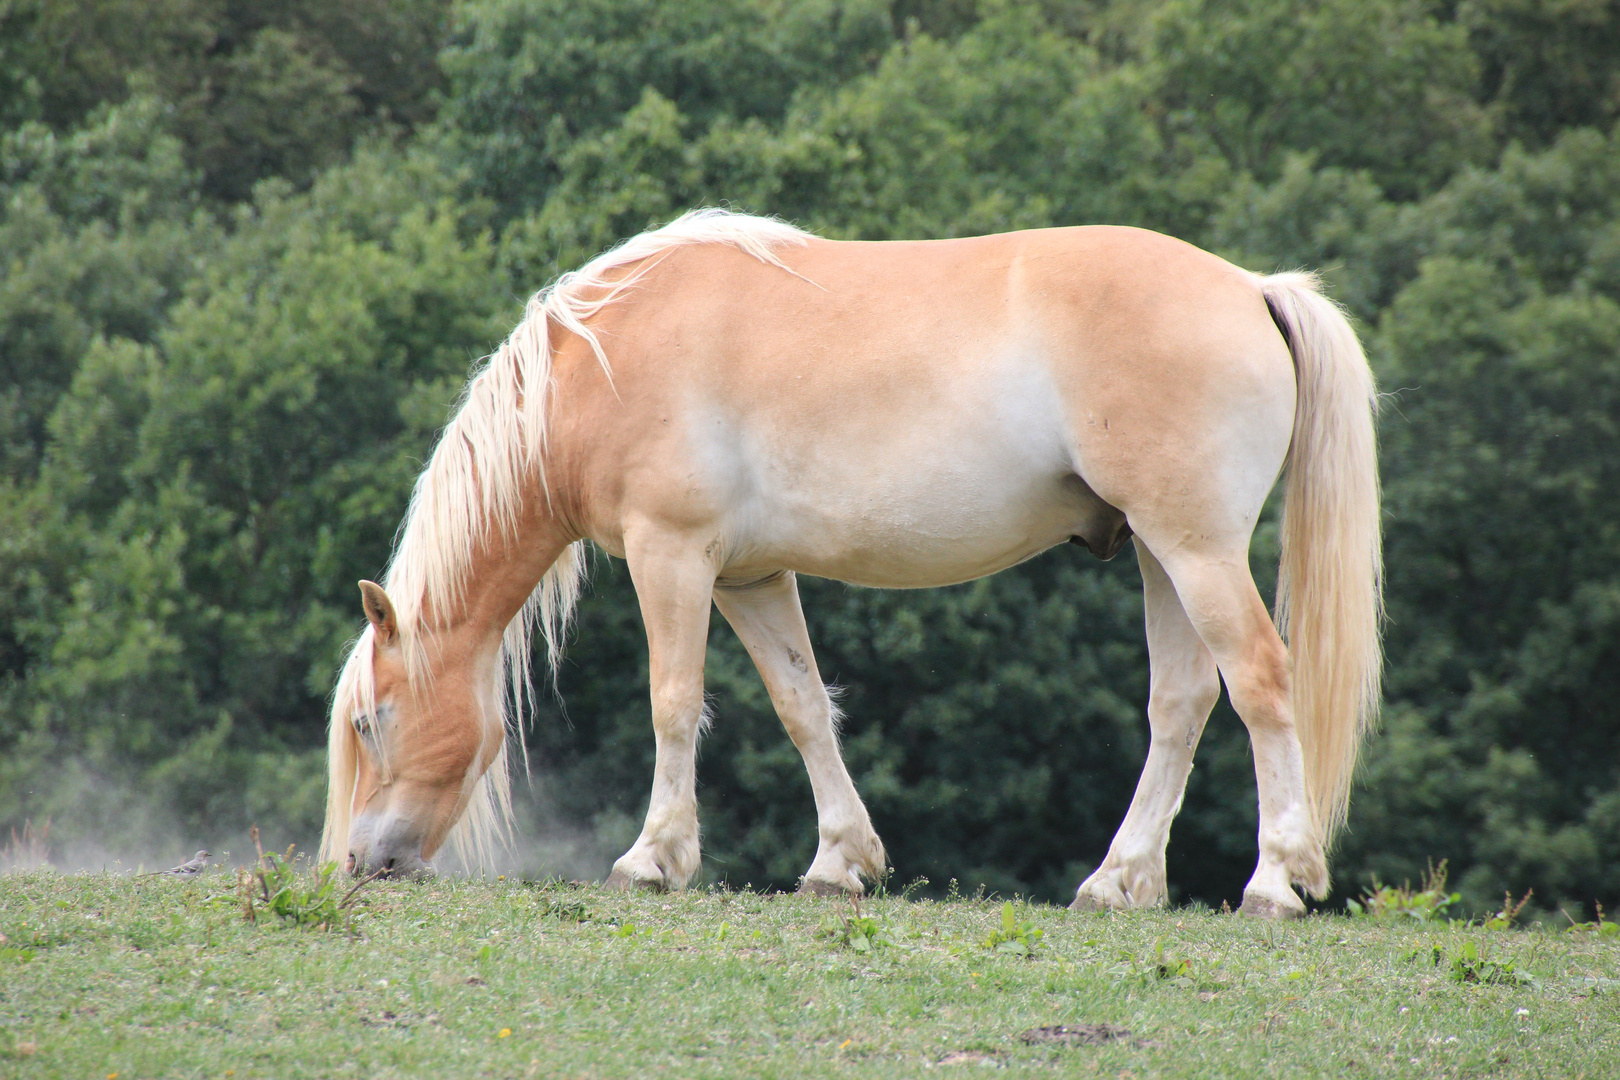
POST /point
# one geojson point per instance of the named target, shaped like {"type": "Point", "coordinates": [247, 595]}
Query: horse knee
{"type": "Point", "coordinates": [678, 709]}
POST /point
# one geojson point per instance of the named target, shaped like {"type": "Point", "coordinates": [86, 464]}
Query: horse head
{"type": "Point", "coordinates": [421, 742]}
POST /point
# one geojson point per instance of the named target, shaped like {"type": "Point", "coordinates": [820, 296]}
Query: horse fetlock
{"type": "Point", "coordinates": [867, 855]}
{"type": "Point", "coordinates": [1308, 869]}
{"type": "Point", "coordinates": [1298, 850]}
{"type": "Point", "coordinates": [844, 858]}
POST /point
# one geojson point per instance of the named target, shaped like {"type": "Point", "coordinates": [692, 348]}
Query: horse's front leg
{"type": "Point", "coordinates": [674, 579]}
{"type": "Point", "coordinates": [770, 623]}
{"type": "Point", "coordinates": [1184, 688]}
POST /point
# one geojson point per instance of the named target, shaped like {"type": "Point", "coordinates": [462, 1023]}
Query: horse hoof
{"type": "Point", "coordinates": [816, 887]}
{"type": "Point", "coordinates": [1089, 903]}
{"type": "Point", "coordinates": [619, 881]}
{"type": "Point", "coordinates": [1260, 907]}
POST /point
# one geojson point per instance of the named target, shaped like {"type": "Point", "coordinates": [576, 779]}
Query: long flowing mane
{"type": "Point", "coordinates": [491, 458]}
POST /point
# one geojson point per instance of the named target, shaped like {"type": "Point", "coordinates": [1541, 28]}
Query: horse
{"type": "Point", "coordinates": [729, 401]}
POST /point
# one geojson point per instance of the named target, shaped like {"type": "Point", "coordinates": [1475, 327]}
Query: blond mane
{"type": "Point", "coordinates": [490, 458]}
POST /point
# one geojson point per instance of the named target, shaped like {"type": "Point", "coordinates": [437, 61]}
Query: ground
{"type": "Point", "coordinates": [107, 976]}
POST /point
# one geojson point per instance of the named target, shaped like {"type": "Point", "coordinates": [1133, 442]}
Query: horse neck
{"type": "Point", "coordinates": [503, 574]}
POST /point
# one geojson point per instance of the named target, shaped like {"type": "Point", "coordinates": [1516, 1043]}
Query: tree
{"type": "Point", "coordinates": [204, 493]}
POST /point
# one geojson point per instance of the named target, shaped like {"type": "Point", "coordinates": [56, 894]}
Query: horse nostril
{"type": "Point", "coordinates": [389, 865]}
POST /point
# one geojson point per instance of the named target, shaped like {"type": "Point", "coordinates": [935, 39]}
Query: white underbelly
{"type": "Point", "coordinates": [916, 512]}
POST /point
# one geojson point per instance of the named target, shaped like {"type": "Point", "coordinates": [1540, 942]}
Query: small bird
{"type": "Point", "coordinates": [190, 868]}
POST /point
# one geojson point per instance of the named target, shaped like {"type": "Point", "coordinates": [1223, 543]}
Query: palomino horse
{"type": "Point", "coordinates": [728, 401]}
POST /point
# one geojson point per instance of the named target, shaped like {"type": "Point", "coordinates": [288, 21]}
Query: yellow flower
{"type": "Point", "coordinates": [504, 1033]}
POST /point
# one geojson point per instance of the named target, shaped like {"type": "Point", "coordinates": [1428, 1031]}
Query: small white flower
{"type": "Point", "coordinates": [1521, 1012]}
{"type": "Point", "coordinates": [382, 982]}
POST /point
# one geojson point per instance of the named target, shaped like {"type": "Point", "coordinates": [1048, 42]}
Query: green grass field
{"type": "Point", "coordinates": [104, 976]}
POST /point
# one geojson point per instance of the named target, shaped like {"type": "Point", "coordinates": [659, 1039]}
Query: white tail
{"type": "Point", "coordinates": [1329, 588]}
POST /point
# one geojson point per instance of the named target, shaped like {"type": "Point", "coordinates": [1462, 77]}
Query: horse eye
{"type": "Point", "coordinates": [362, 723]}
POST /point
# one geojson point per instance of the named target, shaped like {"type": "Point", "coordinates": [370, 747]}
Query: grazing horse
{"type": "Point", "coordinates": [728, 401]}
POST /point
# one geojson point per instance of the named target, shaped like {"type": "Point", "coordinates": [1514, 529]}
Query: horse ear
{"type": "Point", "coordinates": [380, 612]}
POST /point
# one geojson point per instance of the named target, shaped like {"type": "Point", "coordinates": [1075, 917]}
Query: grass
{"type": "Point", "coordinates": [104, 976]}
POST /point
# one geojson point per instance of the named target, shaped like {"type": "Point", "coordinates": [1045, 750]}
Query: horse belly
{"type": "Point", "coordinates": [917, 498]}
{"type": "Point", "coordinates": [922, 541]}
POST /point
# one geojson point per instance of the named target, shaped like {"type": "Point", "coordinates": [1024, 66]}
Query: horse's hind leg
{"type": "Point", "coordinates": [1183, 690]}
{"type": "Point", "coordinates": [674, 580]}
{"type": "Point", "coordinates": [768, 620]}
{"type": "Point", "coordinates": [1226, 610]}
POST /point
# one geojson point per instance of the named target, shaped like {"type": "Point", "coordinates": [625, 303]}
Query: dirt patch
{"type": "Point", "coordinates": [971, 1057]}
{"type": "Point", "coordinates": [1075, 1035]}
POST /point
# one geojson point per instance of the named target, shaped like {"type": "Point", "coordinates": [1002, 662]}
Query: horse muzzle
{"type": "Point", "coordinates": [390, 848]}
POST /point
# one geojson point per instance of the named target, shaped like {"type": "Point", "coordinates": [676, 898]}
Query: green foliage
{"type": "Point", "coordinates": [1255, 79]}
{"type": "Point", "coordinates": [268, 89]}
{"type": "Point", "coordinates": [858, 932]}
{"type": "Point", "coordinates": [1429, 904]}
{"type": "Point", "coordinates": [1602, 926]}
{"type": "Point", "coordinates": [1508, 914]}
{"type": "Point", "coordinates": [11, 954]}
{"type": "Point", "coordinates": [563, 908]}
{"type": "Point", "coordinates": [1014, 937]}
{"type": "Point", "coordinates": [1547, 67]}
{"type": "Point", "coordinates": [1471, 965]}
{"type": "Point", "coordinates": [533, 84]}
{"type": "Point", "coordinates": [205, 487]}
{"type": "Point", "coordinates": [312, 901]}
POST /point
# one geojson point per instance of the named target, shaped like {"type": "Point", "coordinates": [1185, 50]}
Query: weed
{"type": "Point", "coordinates": [556, 903]}
{"type": "Point", "coordinates": [915, 884]}
{"type": "Point", "coordinates": [1013, 937]}
{"type": "Point", "coordinates": [857, 932]}
{"type": "Point", "coordinates": [11, 954]}
{"type": "Point", "coordinates": [276, 887]}
{"type": "Point", "coordinates": [1471, 965]}
{"type": "Point", "coordinates": [1431, 954]}
{"type": "Point", "coordinates": [564, 910]}
{"type": "Point", "coordinates": [1384, 903]}
{"type": "Point", "coordinates": [1509, 914]}
{"type": "Point", "coordinates": [1169, 968]}
{"type": "Point", "coordinates": [1603, 927]}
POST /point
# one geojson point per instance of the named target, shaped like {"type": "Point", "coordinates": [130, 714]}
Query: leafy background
{"type": "Point", "coordinates": [248, 253]}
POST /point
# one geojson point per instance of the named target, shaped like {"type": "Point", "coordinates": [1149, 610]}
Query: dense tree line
{"type": "Point", "coordinates": [251, 251]}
